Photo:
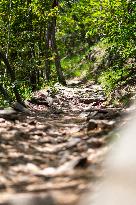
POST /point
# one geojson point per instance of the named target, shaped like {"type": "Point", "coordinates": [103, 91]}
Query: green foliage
{"type": "Point", "coordinates": [3, 102]}
{"type": "Point", "coordinates": [111, 78]}
{"type": "Point", "coordinates": [81, 27]}
{"type": "Point", "coordinates": [25, 90]}
{"type": "Point", "coordinates": [75, 66]}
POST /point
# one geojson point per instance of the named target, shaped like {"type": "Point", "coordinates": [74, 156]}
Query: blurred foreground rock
{"type": "Point", "coordinates": [119, 185]}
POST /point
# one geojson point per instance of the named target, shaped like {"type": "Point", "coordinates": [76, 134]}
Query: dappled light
{"type": "Point", "coordinates": [56, 148]}
{"type": "Point", "coordinates": [67, 85]}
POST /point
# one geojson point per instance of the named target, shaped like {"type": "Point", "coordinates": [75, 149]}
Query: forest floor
{"type": "Point", "coordinates": [54, 153]}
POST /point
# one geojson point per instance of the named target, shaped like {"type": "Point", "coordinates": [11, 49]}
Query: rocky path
{"type": "Point", "coordinates": [51, 154]}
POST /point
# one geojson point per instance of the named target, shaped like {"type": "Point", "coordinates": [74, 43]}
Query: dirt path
{"type": "Point", "coordinates": [51, 155]}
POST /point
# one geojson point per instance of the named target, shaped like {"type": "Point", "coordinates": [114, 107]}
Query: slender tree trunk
{"type": "Point", "coordinates": [47, 52]}
{"type": "Point", "coordinates": [61, 77]}
{"type": "Point", "coordinates": [11, 73]}
{"type": "Point", "coordinates": [33, 71]}
{"type": "Point", "coordinates": [51, 42]}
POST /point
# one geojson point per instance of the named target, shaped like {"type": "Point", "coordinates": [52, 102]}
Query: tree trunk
{"type": "Point", "coordinates": [33, 70]}
{"type": "Point", "coordinates": [51, 42]}
{"type": "Point", "coordinates": [47, 52]}
{"type": "Point", "coordinates": [11, 73]}
{"type": "Point", "coordinates": [61, 77]}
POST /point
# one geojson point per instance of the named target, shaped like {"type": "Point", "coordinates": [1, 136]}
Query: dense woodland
{"type": "Point", "coordinates": [44, 42]}
{"type": "Point", "coordinates": [67, 76]}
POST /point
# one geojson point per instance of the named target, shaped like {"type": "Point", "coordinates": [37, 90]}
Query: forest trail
{"type": "Point", "coordinates": [52, 155]}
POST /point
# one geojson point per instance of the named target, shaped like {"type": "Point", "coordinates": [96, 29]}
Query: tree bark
{"type": "Point", "coordinates": [47, 52]}
{"type": "Point", "coordinates": [11, 73]}
{"type": "Point", "coordinates": [61, 77]}
{"type": "Point", "coordinates": [51, 43]}
{"type": "Point", "coordinates": [33, 70]}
